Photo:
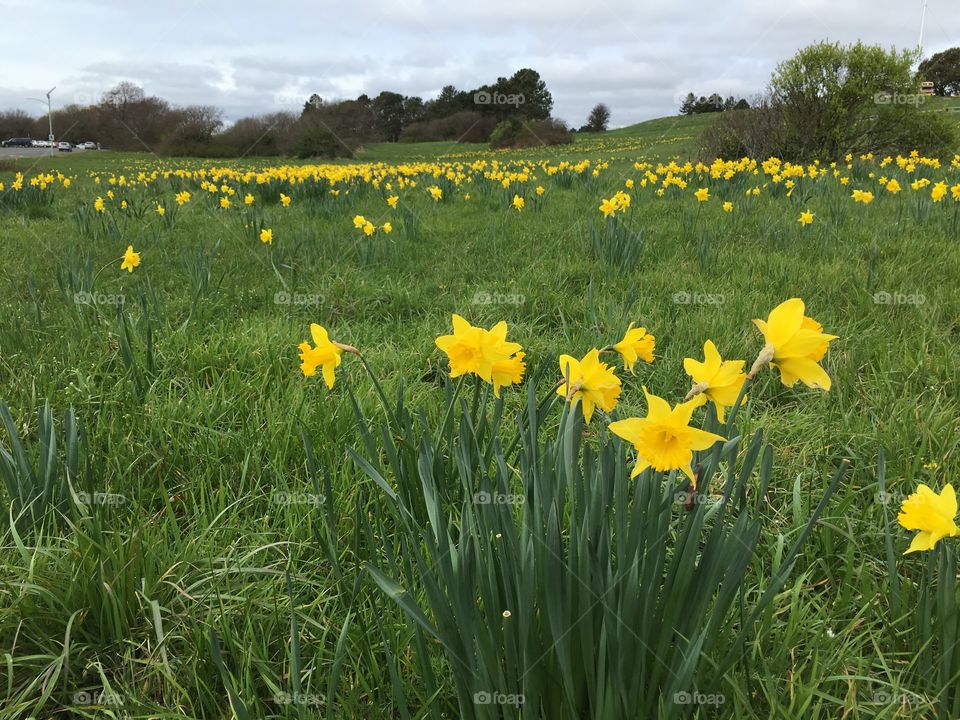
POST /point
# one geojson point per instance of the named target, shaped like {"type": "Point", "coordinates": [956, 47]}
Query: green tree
{"type": "Point", "coordinates": [943, 70]}
{"type": "Point", "coordinates": [388, 107]}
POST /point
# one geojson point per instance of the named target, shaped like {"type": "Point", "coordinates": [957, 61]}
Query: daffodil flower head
{"type": "Point", "coordinates": [718, 379]}
{"type": "Point", "coordinates": [131, 259]}
{"type": "Point", "coordinates": [592, 382]}
{"type": "Point", "coordinates": [485, 353]}
{"type": "Point", "coordinates": [933, 515]}
{"type": "Point", "coordinates": [795, 345]}
{"type": "Point", "coordinates": [324, 353]}
{"type": "Point", "coordinates": [664, 439]}
{"type": "Point", "coordinates": [637, 344]}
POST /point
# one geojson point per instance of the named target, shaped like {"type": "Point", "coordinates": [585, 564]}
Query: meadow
{"type": "Point", "coordinates": [218, 535]}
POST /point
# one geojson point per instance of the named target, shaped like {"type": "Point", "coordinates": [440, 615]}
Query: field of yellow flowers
{"type": "Point", "coordinates": [541, 434]}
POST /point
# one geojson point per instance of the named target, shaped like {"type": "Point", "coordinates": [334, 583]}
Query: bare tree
{"type": "Point", "coordinates": [599, 118]}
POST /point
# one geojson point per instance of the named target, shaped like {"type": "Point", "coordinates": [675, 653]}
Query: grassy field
{"type": "Point", "coordinates": [213, 567]}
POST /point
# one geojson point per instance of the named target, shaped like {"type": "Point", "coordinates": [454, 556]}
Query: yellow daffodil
{"type": "Point", "coordinates": [285, 200]}
{"type": "Point", "coordinates": [387, 228]}
{"type": "Point", "coordinates": [664, 439]}
{"type": "Point", "coordinates": [248, 199]}
{"type": "Point", "coordinates": [507, 372]}
{"type": "Point", "coordinates": [592, 382]}
{"type": "Point", "coordinates": [517, 202]}
{"type": "Point", "coordinates": [720, 380]}
{"type": "Point", "coordinates": [795, 344]}
{"type": "Point", "coordinates": [806, 217]}
{"type": "Point", "coordinates": [636, 344]}
{"type": "Point", "coordinates": [485, 353]}
{"type": "Point", "coordinates": [266, 236]}
{"type": "Point", "coordinates": [224, 202]}
{"type": "Point", "coordinates": [324, 353]}
{"type": "Point", "coordinates": [131, 259]}
{"type": "Point", "coordinates": [728, 207]}
{"type": "Point", "coordinates": [359, 221]}
{"type": "Point", "coordinates": [702, 195]}
{"type": "Point", "coordinates": [933, 515]}
{"type": "Point", "coordinates": [98, 205]}
{"type": "Point", "coordinates": [392, 201]}
{"type": "Point", "coordinates": [161, 210]}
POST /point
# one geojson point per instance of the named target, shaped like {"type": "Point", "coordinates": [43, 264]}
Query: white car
{"type": "Point", "coordinates": [65, 147]}
{"type": "Point", "coordinates": [42, 143]}
{"type": "Point", "coordinates": [87, 146]}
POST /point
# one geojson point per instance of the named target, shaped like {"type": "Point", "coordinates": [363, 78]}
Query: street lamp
{"type": "Point", "coordinates": [49, 110]}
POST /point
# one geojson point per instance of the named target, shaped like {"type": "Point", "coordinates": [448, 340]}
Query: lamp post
{"type": "Point", "coordinates": [49, 112]}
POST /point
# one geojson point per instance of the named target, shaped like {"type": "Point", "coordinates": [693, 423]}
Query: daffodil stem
{"type": "Point", "coordinates": [452, 405]}
{"type": "Point", "coordinates": [376, 383]}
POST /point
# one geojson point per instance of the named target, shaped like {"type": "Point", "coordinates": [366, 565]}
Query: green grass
{"type": "Point", "coordinates": [193, 416]}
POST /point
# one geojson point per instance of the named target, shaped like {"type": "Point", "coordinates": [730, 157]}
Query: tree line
{"type": "Point", "coordinates": [126, 118]}
{"type": "Point", "coordinates": [693, 105]}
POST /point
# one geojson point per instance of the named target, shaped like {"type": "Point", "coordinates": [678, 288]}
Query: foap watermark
{"type": "Point", "coordinates": [299, 698]}
{"type": "Point", "coordinates": [485, 697]}
{"type": "Point", "coordinates": [895, 699]}
{"type": "Point", "coordinates": [498, 98]}
{"type": "Point", "coordinates": [90, 98]}
{"type": "Point", "coordinates": [97, 697]}
{"type": "Point", "coordinates": [95, 298]}
{"type": "Point", "coordinates": [898, 298]}
{"type": "Point", "coordinates": [684, 297]}
{"type": "Point", "coordinates": [698, 698]}
{"type": "Point", "coordinates": [483, 297]}
{"type": "Point", "coordinates": [485, 498]}
{"type": "Point", "coordinates": [714, 101]}
{"type": "Point", "coordinates": [100, 498]}
{"type": "Point", "coordinates": [883, 98]}
{"type": "Point", "coordinates": [297, 498]}
{"type": "Point", "coordinates": [287, 99]}
{"type": "Point", "coordinates": [285, 298]}
{"type": "Point", "coordinates": [689, 499]}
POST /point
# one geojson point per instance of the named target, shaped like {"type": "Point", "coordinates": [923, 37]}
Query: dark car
{"type": "Point", "coordinates": [17, 142]}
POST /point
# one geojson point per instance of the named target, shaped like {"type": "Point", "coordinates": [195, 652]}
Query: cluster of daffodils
{"type": "Point", "coordinates": [620, 202]}
{"type": "Point", "coordinates": [665, 439]}
{"type": "Point", "coordinates": [368, 228]}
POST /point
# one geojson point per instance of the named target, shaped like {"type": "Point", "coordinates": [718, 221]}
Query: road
{"type": "Point", "coordinates": [18, 152]}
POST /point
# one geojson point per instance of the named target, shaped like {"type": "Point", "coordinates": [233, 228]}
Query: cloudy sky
{"type": "Point", "coordinates": [256, 57]}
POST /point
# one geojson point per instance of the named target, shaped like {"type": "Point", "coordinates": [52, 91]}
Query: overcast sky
{"type": "Point", "coordinates": [257, 57]}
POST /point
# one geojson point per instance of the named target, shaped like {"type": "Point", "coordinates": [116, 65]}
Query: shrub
{"type": "Point", "coordinates": [314, 141]}
{"type": "Point", "coordinates": [468, 126]}
{"type": "Point", "coordinates": [519, 133]}
{"type": "Point", "coordinates": [829, 100]}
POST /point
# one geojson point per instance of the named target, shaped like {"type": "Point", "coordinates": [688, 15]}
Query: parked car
{"type": "Point", "coordinates": [42, 144]}
{"type": "Point", "coordinates": [17, 142]}
{"type": "Point", "coordinates": [65, 147]}
{"type": "Point", "coordinates": [87, 145]}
